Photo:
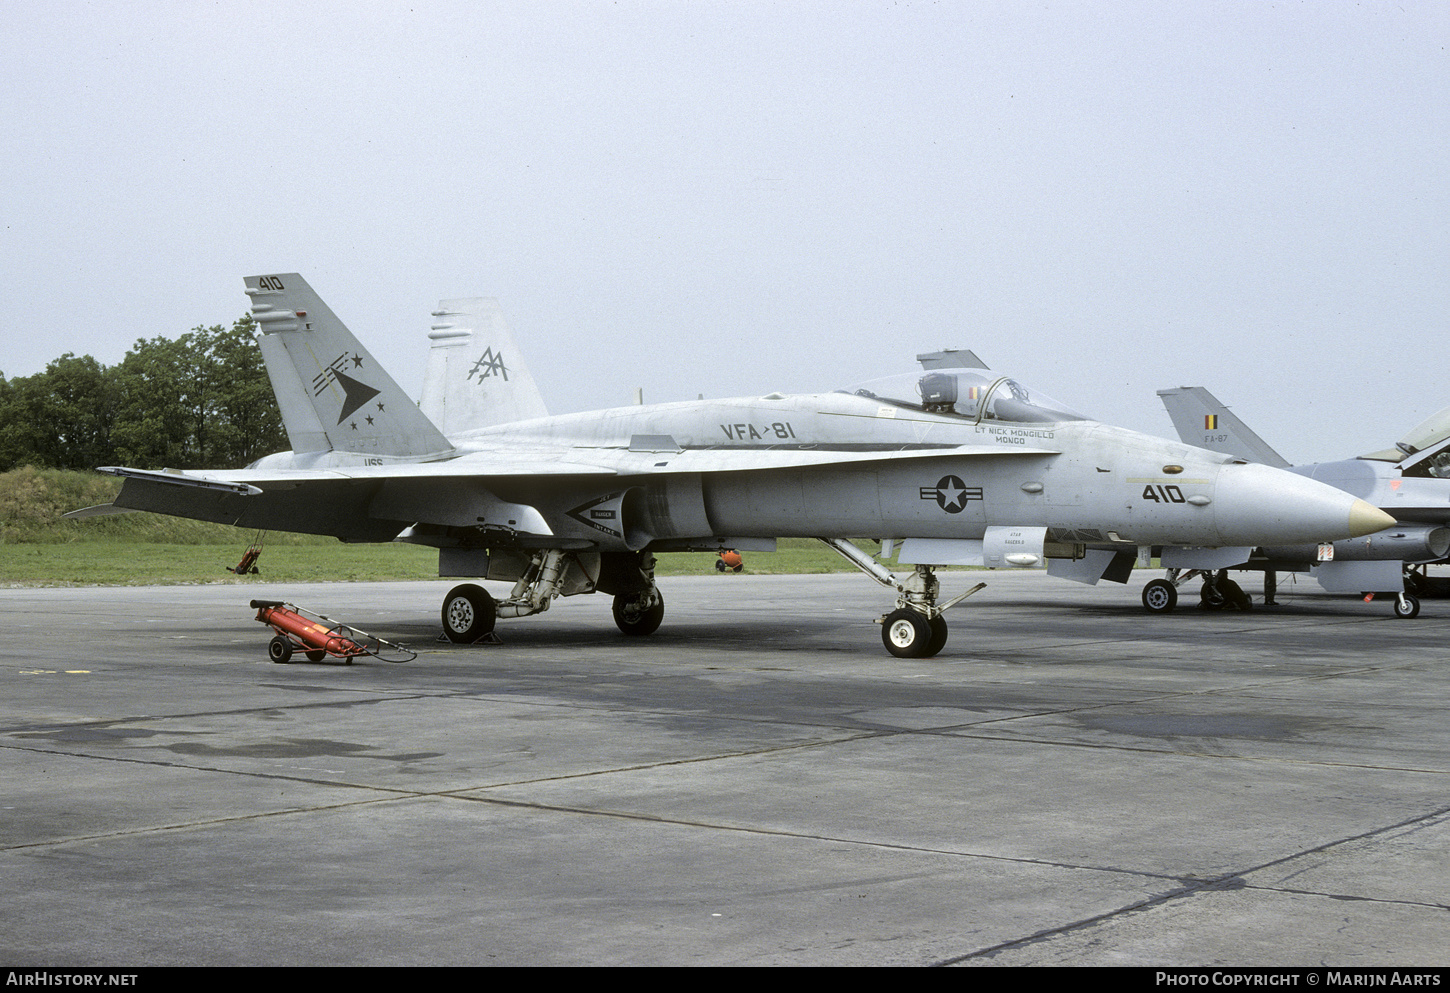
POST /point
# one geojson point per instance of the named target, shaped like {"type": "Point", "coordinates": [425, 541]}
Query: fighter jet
{"type": "Point", "coordinates": [954, 464]}
{"type": "Point", "coordinates": [1410, 481]}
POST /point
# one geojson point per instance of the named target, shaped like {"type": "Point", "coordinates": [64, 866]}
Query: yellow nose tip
{"type": "Point", "coordinates": [1366, 518]}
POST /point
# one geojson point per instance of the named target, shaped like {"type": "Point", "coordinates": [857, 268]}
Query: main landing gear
{"type": "Point", "coordinates": [917, 628]}
{"type": "Point", "coordinates": [470, 611]}
{"type": "Point", "coordinates": [1218, 592]}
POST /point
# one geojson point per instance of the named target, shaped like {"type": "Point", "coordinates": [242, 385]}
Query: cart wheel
{"type": "Point", "coordinates": [279, 649]}
{"type": "Point", "coordinates": [316, 655]}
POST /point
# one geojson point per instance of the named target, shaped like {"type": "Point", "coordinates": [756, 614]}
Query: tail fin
{"type": "Point", "coordinates": [1201, 420]}
{"type": "Point", "coordinates": [332, 393]}
{"type": "Point", "coordinates": [476, 375]}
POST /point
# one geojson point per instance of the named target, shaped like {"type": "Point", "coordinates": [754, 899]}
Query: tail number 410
{"type": "Point", "coordinates": [1163, 494]}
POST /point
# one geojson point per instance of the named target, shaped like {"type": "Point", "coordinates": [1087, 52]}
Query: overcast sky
{"type": "Point", "coordinates": [1103, 199]}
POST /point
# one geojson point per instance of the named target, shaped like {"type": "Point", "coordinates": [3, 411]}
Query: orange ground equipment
{"type": "Point", "coordinates": [296, 630]}
{"type": "Point", "coordinates": [248, 564]}
{"type": "Point", "coordinates": [729, 561]}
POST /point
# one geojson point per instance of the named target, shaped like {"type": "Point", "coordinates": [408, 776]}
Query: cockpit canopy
{"type": "Point", "coordinates": [967, 393]}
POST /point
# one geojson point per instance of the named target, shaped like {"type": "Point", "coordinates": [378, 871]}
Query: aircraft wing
{"type": "Point", "coordinates": [253, 482]}
{"type": "Point", "coordinates": [661, 457]}
{"type": "Point", "coordinates": [376, 502]}
{"type": "Point", "coordinates": [571, 462]}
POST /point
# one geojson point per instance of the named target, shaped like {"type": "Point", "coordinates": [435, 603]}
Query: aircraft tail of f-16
{"type": "Point", "coordinates": [1407, 482]}
{"type": "Point", "coordinates": [1201, 420]}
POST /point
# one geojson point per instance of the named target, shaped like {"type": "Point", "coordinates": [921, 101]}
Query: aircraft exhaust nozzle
{"type": "Point", "coordinates": [1258, 505]}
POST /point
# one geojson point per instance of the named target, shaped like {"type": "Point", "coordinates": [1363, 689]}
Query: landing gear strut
{"type": "Point", "coordinates": [917, 628]}
{"type": "Point", "coordinates": [469, 611]}
{"type": "Point", "coordinates": [1407, 606]}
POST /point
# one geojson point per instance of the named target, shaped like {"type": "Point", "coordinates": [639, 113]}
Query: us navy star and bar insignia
{"type": "Point", "coordinates": [951, 494]}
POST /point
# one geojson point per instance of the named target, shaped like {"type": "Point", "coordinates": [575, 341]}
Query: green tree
{"type": "Point", "coordinates": [60, 418]}
{"type": "Point", "coordinates": [202, 400]}
{"type": "Point", "coordinates": [246, 421]}
{"type": "Point", "coordinates": [154, 405]}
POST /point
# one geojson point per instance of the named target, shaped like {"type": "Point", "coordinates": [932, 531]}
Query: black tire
{"type": "Point", "coordinates": [1234, 595]}
{"type": "Point", "coordinates": [637, 618]}
{"type": "Point", "coordinates": [316, 655]}
{"type": "Point", "coordinates": [906, 634]}
{"type": "Point", "coordinates": [469, 613]}
{"type": "Point", "coordinates": [938, 636]}
{"type": "Point", "coordinates": [279, 649]}
{"type": "Point", "coordinates": [1210, 598]}
{"type": "Point", "coordinates": [1408, 608]}
{"type": "Point", "coordinates": [1160, 596]}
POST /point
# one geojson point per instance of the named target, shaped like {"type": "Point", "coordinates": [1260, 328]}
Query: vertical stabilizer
{"type": "Point", "coordinates": [476, 375]}
{"type": "Point", "coordinates": [333, 395]}
{"type": "Point", "coordinates": [1202, 421]}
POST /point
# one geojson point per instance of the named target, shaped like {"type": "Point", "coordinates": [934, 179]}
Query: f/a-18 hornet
{"type": "Point", "coordinates": [1411, 482]}
{"type": "Point", "coordinates": [952, 465]}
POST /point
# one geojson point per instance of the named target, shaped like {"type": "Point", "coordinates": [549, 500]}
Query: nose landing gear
{"type": "Point", "coordinates": [917, 628]}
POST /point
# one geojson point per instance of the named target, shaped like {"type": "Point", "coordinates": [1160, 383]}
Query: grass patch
{"type": "Point", "coordinates": [112, 562]}
{"type": "Point", "coordinates": [38, 547]}
{"type": "Point", "coordinates": [133, 563]}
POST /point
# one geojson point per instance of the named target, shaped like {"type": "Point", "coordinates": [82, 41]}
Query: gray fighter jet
{"type": "Point", "coordinates": [956, 464]}
{"type": "Point", "coordinates": [1410, 481]}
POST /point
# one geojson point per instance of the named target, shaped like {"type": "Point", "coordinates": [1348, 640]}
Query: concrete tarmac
{"type": "Point", "coordinates": [1072, 782]}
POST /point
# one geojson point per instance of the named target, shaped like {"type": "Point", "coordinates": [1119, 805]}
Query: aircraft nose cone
{"type": "Point", "coordinates": [1366, 518]}
{"type": "Point", "coordinates": [1257, 505]}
